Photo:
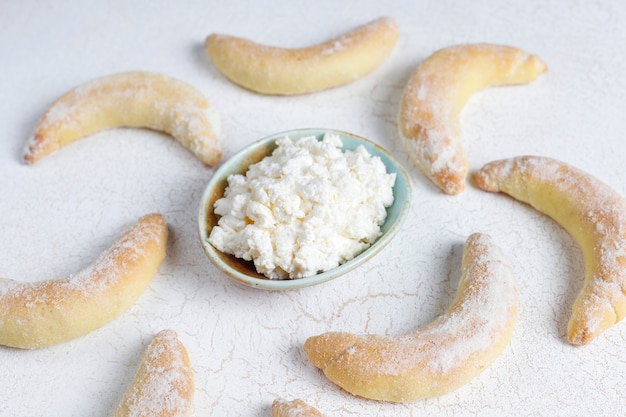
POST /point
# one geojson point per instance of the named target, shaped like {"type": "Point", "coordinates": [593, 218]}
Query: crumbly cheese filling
{"type": "Point", "coordinates": [305, 209]}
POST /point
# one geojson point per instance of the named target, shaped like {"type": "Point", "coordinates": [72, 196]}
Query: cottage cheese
{"type": "Point", "coordinates": [307, 208]}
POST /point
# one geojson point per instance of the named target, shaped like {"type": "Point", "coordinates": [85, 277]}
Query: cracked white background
{"type": "Point", "coordinates": [245, 345]}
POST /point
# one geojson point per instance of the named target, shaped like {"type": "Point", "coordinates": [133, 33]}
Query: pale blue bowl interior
{"type": "Point", "coordinates": [243, 271]}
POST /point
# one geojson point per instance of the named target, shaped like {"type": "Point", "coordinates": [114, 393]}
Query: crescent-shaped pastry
{"type": "Point", "coordinates": [429, 115]}
{"type": "Point", "coordinates": [592, 213]}
{"type": "Point", "coordinates": [164, 383]}
{"type": "Point", "coordinates": [439, 357]}
{"type": "Point", "coordinates": [39, 314]}
{"type": "Point", "coordinates": [273, 70]}
{"type": "Point", "coordinates": [129, 99]}
{"type": "Point", "coordinates": [294, 408]}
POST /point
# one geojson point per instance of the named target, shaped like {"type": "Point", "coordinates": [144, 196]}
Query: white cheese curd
{"type": "Point", "coordinates": [305, 209]}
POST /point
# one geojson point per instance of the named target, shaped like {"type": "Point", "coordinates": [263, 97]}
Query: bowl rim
{"type": "Point", "coordinates": [226, 168]}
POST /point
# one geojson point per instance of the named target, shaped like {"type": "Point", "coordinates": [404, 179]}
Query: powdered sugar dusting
{"type": "Point", "coordinates": [349, 39]}
{"type": "Point", "coordinates": [130, 99]}
{"type": "Point", "coordinates": [110, 266]}
{"type": "Point", "coordinates": [444, 354]}
{"type": "Point", "coordinates": [487, 296]}
{"type": "Point", "coordinates": [592, 212]}
{"type": "Point", "coordinates": [164, 384]}
{"type": "Point", "coordinates": [484, 313]}
{"type": "Point", "coordinates": [38, 314]}
{"type": "Point", "coordinates": [293, 408]}
{"type": "Point", "coordinates": [288, 71]}
{"type": "Point", "coordinates": [428, 119]}
{"type": "Point", "coordinates": [333, 47]}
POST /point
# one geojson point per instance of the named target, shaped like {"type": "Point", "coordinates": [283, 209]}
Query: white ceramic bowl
{"type": "Point", "coordinates": [244, 271]}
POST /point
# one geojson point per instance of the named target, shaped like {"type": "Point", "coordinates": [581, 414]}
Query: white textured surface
{"type": "Point", "coordinates": [246, 345]}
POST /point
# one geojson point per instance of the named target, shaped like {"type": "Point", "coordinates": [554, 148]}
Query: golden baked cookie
{"type": "Point", "coordinates": [590, 211]}
{"type": "Point", "coordinates": [273, 70]}
{"type": "Point", "coordinates": [39, 314]}
{"type": "Point", "coordinates": [439, 357]}
{"type": "Point", "coordinates": [293, 408]}
{"type": "Point", "coordinates": [164, 383]}
{"type": "Point", "coordinates": [429, 115]}
{"type": "Point", "coordinates": [129, 99]}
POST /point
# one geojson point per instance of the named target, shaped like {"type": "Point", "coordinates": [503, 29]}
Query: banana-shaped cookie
{"type": "Point", "coordinates": [435, 94]}
{"type": "Point", "coordinates": [164, 383]}
{"type": "Point", "coordinates": [595, 216]}
{"type": "Point", "coordinates": [39, 314]}
{"type": "Point", "coordinates": [273, 70]}
{"type": "Point", "coordinates": [439, 357]}
{"type": "Point", "coordinates": [294, 408]}
{"type": "Point", "coordinates": [129, 99]}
